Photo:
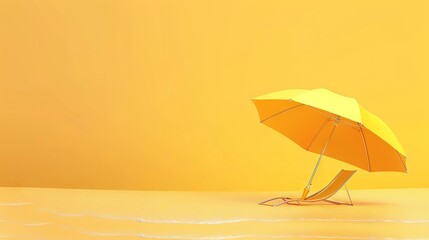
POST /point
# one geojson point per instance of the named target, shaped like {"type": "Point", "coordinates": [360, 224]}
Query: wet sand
{"type": "Point", "coordinates": [37, 213]}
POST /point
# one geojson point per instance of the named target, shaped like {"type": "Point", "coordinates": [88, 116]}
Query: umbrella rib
{"type": "Point", "coordinates": [366, 146]}
{"type": "Point", "coordinates": [317, 134]}
{"type": "Point", "coordinates": [282, 112]}
{"type": "Point", "coordinates": [403, 164]}
{"type": "Point", "coordinates": [332, 116]}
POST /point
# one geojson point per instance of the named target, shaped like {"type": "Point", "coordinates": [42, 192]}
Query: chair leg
{"type": "Point", "coordinates": [269, 200]}
{"type": "Point", "coordinates": [294, 202]}
{"type": "Point", "coordinates": [350, 203]}
{"type": "Point", "coordinates": [278, 204]}
{"type": "Point", "coordinates": [348, 194]}
{"type": "Point", "coordinates": [338, 203]}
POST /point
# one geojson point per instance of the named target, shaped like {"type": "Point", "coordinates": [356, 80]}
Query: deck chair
{"type": "Point", "coordinates": [323, 195]}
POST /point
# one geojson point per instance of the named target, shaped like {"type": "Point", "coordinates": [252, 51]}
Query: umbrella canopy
{"type": "Point", "coordinates": [324, 122]}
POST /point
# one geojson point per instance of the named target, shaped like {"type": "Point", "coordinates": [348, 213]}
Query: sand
{"type": "Point", "coordinates": [45, 214]}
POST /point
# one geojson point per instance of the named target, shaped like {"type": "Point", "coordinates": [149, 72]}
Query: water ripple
{"type": "Point", "coordinates": [237, 220]}
{"type": "Point", "coordinates": [225, 237]}
{"type": "Point", "coordinates": [26, 224]}
{"type": "Point", "coordinates": [14, 203]}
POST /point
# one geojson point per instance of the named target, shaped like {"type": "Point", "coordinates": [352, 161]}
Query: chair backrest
{"type": "Point", "coordinates": [336, 184]}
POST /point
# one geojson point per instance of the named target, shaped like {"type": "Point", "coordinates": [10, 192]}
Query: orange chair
{"type": "Point", "coordinates": [323, 195]}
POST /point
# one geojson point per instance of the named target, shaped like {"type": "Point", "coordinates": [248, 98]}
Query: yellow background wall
{"type": "Point", "coordinates": [156, 94]}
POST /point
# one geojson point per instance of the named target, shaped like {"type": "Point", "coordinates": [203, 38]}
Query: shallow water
{"type": "Point", "coordinates": [45, 214]}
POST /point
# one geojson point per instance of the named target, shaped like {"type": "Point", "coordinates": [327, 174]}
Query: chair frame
{"type": "Point", "coordinates": [299, 201]}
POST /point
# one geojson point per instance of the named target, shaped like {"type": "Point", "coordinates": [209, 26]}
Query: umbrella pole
{"type": "Point", "coordinates": [307, 188]}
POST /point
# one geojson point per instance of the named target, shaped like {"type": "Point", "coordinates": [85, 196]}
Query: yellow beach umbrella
{"type": "Point", "coordinates": [324, 122]}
